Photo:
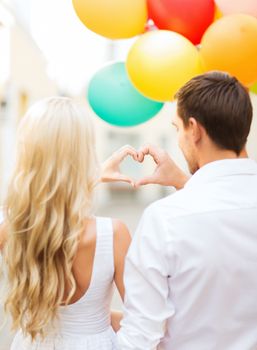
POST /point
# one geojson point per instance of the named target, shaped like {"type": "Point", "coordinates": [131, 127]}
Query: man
{"type": "Point", "coordinates": [191, 271]}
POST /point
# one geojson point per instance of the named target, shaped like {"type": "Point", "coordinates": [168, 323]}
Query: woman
{"type": "Point", "coordinates": [61, 260]}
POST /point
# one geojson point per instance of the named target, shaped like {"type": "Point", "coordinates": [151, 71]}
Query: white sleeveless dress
{"type": "Point", "coordinates": [86, 324]}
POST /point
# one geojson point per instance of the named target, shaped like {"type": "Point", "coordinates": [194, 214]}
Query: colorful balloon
{"type": "Point", "coordinates": [230, 45]}
{"type": "Point", "coordinates": [114, 99]}
{"type": "Point", "coordinates": [227, 7]}
{"type": "Point", "coordinates": [160, 62]}
{"type": "Point", "coordinates": [188, 17]}
{"type": "Point", "coordinates": [114, 19]}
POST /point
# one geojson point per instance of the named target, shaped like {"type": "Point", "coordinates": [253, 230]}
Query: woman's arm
{"type": "Point", "coordinates": [116, 317]}
{"type": "Point", "coordinates": [121, 244]}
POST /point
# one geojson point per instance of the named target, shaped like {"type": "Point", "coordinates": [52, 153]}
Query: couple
{"type": "Point", "coordinates": [191, 270]}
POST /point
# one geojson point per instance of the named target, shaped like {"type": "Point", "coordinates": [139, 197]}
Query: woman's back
{"type": "Point", "coordinates": [85, 323]}
{"type": "Point", "coordinates": [54, 254]}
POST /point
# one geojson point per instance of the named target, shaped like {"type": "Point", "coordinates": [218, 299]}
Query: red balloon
{"type": "Point", "coordinates": [188, 17]}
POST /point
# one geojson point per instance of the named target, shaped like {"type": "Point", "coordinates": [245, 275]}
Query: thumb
{"type": "Point", "coordinates": [146, 181]}
{"type": "Point", "coordinates": [124, 178]}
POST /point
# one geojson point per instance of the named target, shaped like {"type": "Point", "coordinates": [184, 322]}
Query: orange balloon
{"type": "Point", "coordinates": [230, 45]}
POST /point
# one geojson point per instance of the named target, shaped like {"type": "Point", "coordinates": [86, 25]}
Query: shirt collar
{"type": "Point", "coordinates": [224, 167]}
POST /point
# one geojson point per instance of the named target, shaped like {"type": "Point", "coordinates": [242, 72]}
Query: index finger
{"type": "Point", "coordinates": [151, 150]}
{"type": "Point", "coordinates": [126, 151]}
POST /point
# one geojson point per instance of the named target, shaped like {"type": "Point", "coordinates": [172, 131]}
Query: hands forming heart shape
{"type": "Point", "coordinates": [166, 173]}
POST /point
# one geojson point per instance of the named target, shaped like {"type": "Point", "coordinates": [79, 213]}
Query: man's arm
{"type": "Point", "coordinates": [147, 306]}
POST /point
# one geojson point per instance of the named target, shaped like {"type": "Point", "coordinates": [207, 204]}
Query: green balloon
{"type": "Point", "coordinates": [115, 100]}
{"type": "Point", "coordinates": [253, 88]}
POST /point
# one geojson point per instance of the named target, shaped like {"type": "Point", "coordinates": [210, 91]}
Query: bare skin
{"type": "Point", "coordinates": [111, 167]}
{"type": "Point", "coordinates": [166, 173]}
{"type": "Point", "coordinates": [84, 260]}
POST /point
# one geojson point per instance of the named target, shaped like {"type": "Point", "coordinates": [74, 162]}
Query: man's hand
{"type": "Point", "coordinates": [167, 173]}
{"type": "Point", "coordinates": [111, 167]}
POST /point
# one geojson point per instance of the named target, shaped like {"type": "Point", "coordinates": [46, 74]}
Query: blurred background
{"type": "Point", "coordinates": [44, 51]}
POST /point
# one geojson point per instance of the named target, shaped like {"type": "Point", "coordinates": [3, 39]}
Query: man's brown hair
{"type": "Point", "coordinates": [221, 104]}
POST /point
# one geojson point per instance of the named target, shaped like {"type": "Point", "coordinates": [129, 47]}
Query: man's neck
{"type": "Point", "coordinates": [214, 155]}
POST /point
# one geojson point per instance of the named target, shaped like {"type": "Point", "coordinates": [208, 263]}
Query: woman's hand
{"type": "Point", "coordinates": [111, 167]}
{"type": "Point", "coordinates": [116, 317]}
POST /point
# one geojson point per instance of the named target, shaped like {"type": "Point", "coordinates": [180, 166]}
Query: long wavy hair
{"type": "Point", "coordinates": [49, 197]}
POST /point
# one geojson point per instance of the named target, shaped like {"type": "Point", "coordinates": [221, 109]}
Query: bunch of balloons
{"type": "Point", "coordinates": [190, 37]}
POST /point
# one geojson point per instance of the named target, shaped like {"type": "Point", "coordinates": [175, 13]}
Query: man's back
{"type": "Point", "coordinates": [214, 237]}
{"type": "Point", "coordinates": [207, 255]}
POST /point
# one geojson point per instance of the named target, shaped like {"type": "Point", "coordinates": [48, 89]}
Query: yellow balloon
{"type": "Point", "coordinates": [114, 19]}
{"type": "Point", "coordinates": [230, 45]}
{"type": "Point", "coordinates": [160, 62]}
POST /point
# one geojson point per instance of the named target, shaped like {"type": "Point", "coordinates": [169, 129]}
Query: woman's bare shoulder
{"type": "Point", "coordinates": [88, 235]}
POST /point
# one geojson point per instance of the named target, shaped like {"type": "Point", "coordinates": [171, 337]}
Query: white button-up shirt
{"type": "Point", "coordinates": [191, 270]}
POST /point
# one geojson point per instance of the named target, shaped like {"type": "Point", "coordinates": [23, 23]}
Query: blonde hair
{"type": "Point", "coordinates": [49, 197]}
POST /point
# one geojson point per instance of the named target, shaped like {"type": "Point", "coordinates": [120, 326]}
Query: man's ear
{"type": "Point", "coordinates": [196, 129]}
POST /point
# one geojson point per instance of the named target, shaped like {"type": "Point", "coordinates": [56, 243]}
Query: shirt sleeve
{"type": "Point", "coordinates": [147, 306]}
